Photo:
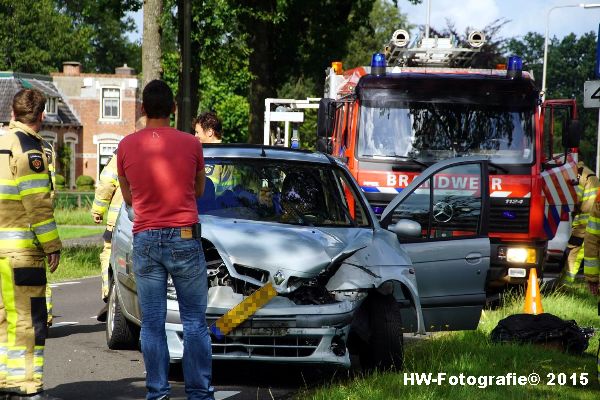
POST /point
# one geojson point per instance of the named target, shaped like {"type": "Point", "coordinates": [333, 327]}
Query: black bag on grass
{"type": "Point", "coordinates": [544, 329]}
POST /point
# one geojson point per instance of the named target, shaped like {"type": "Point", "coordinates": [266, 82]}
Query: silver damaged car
{"type": "Point", "coordinates": [346, 283]}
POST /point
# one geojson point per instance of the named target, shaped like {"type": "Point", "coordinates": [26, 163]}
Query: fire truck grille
{"type": "Point", "coordinates": [509, 217]}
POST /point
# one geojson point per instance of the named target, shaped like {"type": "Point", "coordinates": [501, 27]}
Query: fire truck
{"type": "Point", "coordinates": [418, 103]}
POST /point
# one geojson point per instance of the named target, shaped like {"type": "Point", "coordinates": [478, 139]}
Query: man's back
{"type": "Point", "coordinates": [161, 165]}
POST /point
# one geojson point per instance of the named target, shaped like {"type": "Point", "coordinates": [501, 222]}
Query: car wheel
{"type": "Point", "coordinates": [385, 348]}
{"type": "Point", "coordinates": [120, 333]}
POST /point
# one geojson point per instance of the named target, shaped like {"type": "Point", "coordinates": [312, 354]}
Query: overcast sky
{"type": "Point", "coordinates": [524, 16]}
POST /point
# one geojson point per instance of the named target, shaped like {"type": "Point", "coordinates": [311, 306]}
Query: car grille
{"type": "Point", "coordinates": [509, 217]}
{"type": "Point", "coordinates": [266, 346]}
{"type": "Point", "coordinates": [257, 274]}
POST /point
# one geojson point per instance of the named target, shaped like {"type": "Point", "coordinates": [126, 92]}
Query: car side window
{"type": "Point", "coordinates": [447, 205]}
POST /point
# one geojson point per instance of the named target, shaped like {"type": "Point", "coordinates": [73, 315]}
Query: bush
{"type": "Point", "coordinates": [71, 200]}
{"type": "Point", "coordinates": [59, 181]}
{"type": "Point", "coordinates": [84, 182]}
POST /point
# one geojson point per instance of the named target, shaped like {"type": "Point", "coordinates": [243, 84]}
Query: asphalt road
{"type": "Point", "coordinates": [80, 366]}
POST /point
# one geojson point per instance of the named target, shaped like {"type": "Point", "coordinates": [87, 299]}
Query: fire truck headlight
{"type": "Point", "coordinates": [518, 255]}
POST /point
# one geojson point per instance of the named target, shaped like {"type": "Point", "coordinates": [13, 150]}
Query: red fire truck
{"type": "Point", "coordinates": [417, 105]}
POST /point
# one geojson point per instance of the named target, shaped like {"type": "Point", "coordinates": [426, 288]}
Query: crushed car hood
{"type": "Point", "coordinates": [274, 246]}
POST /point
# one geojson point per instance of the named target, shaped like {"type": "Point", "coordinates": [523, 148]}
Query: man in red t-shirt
{"type": "Point", "coordinates": [161, 172]}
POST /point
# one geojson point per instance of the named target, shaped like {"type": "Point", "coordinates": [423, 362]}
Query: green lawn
{"type": "Point", "coordinates": [70, 232]}
{"type": "Point", "coordinates": [77, 262]}
{"type": "Point", "coordinates": [73, 216]}
{"type": "Point", "coordinates": [472, 353]}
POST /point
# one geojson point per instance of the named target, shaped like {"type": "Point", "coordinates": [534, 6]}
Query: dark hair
{"type": "Point", "coordinates": [209, 120]}
{"type": "Point", "coordinates": [157, 99]}
{"type": "Point", "coordinates": [28, 105]}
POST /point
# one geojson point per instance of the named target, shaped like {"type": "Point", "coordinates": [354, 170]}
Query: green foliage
{"type": "Point", "coordinates": [108, 24]}
{"type": "Point", "coordinates": [84, 182]}
{"type": "Point", "coordinates": [65, 232]}
{"type": "Point", "coordinates": [233, 111]}
{"type": "Point", "coordinates": [371, 37]}
{"type": "Point", "coordinates": [302, 88]}
{"type": "Point", "coordinates": [59, 180]}
{"type": "Point", "coordinates": [571, 62]}
{"type": "Point", "coordinates": [71, 200]}
{"type": "Point", "coordinates": [36, 38]}
{"type": "Point", "coordinates": [64, 160]}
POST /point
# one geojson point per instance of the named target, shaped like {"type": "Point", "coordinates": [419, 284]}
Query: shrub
{"type": "Point", "coordinates": [84, 182]}
{"type": "Point", "coordinates": [59, 181]}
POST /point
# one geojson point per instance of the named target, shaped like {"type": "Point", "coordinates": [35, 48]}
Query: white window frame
{"type": "Point", "coordinates": [103, 140]}
{"type": "Point", "coordinates": [52, 106]}
{"type": "Point", "coordinates": [104, 98]}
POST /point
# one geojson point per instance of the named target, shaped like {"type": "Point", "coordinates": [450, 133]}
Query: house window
{"type": "Point", "coordinates": [105, 153]}
{"type": "Point", "coordinates": [51, 105]}
{"type": "Point", "coordinates": [111, 103]}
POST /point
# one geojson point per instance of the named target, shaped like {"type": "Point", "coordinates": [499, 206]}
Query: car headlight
{"type": "Point", "coordinates": [517, 255]}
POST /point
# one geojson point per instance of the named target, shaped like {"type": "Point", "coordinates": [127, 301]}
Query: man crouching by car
{"type": "Point", "coordinates": [161, 172]}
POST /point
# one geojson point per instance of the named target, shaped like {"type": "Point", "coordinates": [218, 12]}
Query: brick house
{"type": "Point", "coordinates": [107, 105]}
{"type": "Point", "coordinates": [61, 128]}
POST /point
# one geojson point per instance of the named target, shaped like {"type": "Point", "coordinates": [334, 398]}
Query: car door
{"type": "Point", "coordinates": [451, 256]}
{"type": "Point", "coordinates": [122, 260]}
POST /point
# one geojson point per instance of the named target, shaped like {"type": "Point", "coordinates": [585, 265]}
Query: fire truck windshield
{"type": "Point", "coordinates": [429, 132]}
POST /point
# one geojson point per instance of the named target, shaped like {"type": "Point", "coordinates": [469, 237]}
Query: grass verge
{"type": "Point", "coordinates": [70, 232]}
{"type": "Point", "coordinates": [77, 262]}
{"type": "Point", "coordinates": [73, 216]}
{"type": "Point", "coordinates": [473, 354]}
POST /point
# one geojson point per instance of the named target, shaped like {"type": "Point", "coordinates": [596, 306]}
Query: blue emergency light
{"type": "Point", "coordinates": [378, 64]}
{"type": "Point", "coordinates": [515, 67]}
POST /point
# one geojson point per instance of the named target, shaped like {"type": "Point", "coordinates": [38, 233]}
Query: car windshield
{"type": "Point", "coordinates": [284, 192]}
{"type": "Point", "coordinates": [429, 132]}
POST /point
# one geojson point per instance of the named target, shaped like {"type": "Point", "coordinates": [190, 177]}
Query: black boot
{"type": "Point", "coordinates": [102, 313]}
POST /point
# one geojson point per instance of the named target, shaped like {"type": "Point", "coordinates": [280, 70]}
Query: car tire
{"type": "Point", "coordinates": [385, 348]}
{"type": "Point", "coordinates": [121, 334]}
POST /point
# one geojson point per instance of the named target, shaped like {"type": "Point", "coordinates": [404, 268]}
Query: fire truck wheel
{"type": "Point", "coordinates": [120, 333]}
{"type": "Point", "coordinates": [385, 347]}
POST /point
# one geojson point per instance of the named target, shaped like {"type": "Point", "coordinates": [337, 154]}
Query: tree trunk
{"type": "Point", "coordinates": [260, 42]}
{"type": "Point", "coordinates": [194, 69]}
{"type": "Point", "coordinates": [151, 50]}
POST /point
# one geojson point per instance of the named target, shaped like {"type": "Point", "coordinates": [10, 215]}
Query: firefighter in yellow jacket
{"type": "Point", "coordinates": [591, 262]}
{"type": "Point", "coordinates": [108, 197]}
{"type": "Point", "coordinates": [586, 195]}
{"type": "Point", "coordinates": [51, 157]}
{"type": "Point", "coordinates": [28, 236]}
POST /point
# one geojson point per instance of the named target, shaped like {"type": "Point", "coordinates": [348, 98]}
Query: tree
{"type": "Point", "coordinates": [151, 43]}
{"type": "Point", "coordinates": [36, 38]}
{"type": "Point", "coordinates": [384, 19]}
{"type": "Point", "coordinates": [279, 53]}
{"type": "Point", "coordinates": [107, 22]}
{"type": "Point", "coordinates": [571, 62]}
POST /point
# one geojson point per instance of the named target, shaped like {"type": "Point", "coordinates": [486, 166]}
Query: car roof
{"type": "Point", "coordinates": [254, 151]}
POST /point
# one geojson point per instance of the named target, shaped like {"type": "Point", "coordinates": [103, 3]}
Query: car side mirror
{"type": "Point", "coordinates": [130, 213]}
{"type": "Point", "coordinates": [324, 145]}
{"type": "Point", "coordinates": [406, 228]}
{"type": "Point", "coordinates": [572, 135]}
{"type": "Point", "coordinates": [325, 117]}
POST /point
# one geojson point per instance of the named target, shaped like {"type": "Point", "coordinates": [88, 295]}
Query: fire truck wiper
{"type": "Point", "coordinates": [497, 167]}
{"type": "Point", "coordinates": [412, 159]}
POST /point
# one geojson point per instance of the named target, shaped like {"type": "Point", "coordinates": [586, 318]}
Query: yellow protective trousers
{"type": "Point", "coordinates": [23, 328]}
{"type": "Point", "coordinates": [573, 264]}
{"type": "Point", "coordinates": [104, 264]}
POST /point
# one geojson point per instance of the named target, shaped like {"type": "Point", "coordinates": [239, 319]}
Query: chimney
{"type": "Point", "coordinates": [124, 70]}
{"type": "Point", "coordinates": [71, 68]}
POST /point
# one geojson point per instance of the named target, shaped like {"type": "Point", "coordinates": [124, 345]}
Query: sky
{"type": "Point", "coordinates": [524, 16]}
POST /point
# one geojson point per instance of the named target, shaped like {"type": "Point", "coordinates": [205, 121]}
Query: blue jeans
{"type": "Point", "coordinates": [156, 253]}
